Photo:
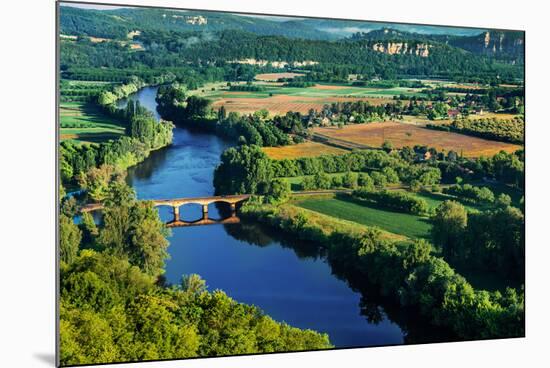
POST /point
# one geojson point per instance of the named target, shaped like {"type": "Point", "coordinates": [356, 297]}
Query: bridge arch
{"type": "Point", "coordinates": [176, 203]}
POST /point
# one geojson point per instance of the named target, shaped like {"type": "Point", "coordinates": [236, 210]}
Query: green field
{"type": "Point", "coordinates": [84, 122]}
{"type": "Point", "coordinates": [435, 199]}
{"type": "Point", "coordinates": [395, 222]}
{"type": "Point", "coordinates": [221, 91]}
{"type": "Point", "coordinates": [80, 91]}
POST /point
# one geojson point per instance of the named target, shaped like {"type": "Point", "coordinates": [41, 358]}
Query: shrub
{"type": "Point", "coordinates": [400, 201]}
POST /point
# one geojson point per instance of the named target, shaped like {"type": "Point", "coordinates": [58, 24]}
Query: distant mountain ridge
{"type": "Point", "coordinates": [118, 23]}
{"type": "Point", "coordinates": [502, 45]}
{"type": "Point", "coordinates": [499, 44]}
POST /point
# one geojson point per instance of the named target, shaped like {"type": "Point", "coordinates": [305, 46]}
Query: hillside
{"type": "Point", "coordinates": [502, 45]}
{"type": "Point", "coordinates": [117, 23]}
{"type": "Point", "coordinates": [506, 45]}
{"type": "Point", "coordinates": [345, 28]}
{"type": "Point", "coordinates": [173, 38]}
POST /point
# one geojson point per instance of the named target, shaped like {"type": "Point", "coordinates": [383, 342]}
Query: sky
{"type": "Point", "coordinates": [345, 30]}
{"type": "Point", "coordinates": [93, 6]}
{"type": "Point", "coordinates": [111, 7]}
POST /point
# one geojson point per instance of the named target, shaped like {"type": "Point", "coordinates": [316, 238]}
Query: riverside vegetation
{"type": "Point", "coordinates": [114, 300]}
{"type": "Point", "coordinates": [416, 226]}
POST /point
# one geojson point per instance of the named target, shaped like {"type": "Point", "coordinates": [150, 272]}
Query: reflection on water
{"type": "Point", "coordinates": [289, 280]}
{"type": "Point", "coordinates": [146, 97]}
{"type": "Point", "coordinates": [294, 285]}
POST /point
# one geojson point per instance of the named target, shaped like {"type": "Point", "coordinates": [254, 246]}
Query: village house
{"type": "Point", "coordinates": [423, 156]}
{"type": "Point", "coordinates": [453, 113]}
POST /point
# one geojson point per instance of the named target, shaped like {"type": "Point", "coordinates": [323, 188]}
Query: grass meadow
{"type": "Point", "coordinates": [84, 122]}
{"type": "Point", "coordinates": [410, 226]}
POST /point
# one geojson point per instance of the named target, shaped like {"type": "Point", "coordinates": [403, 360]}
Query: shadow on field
{"type": "Point", "coordinates": [97, 137]}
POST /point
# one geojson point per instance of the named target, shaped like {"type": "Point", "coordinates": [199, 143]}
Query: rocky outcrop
{"type": "Point", "coordinates": [402, 48]}
{"type": "Point", "coordinates": [507, 45]}
{"type": "Point", "coordinates": [275, 64]}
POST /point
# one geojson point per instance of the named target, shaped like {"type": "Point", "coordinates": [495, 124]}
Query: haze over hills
{"type": "Point", "coordinates": [178, 20]}
{"type": "Point", "coordinates": [503, 45]}
{"type": "Point", "coordinates": [118, 22]}
{"type": "Point", "coordinates": [500, 44]}
{"type": "Point", "coordinates": [345, 28]}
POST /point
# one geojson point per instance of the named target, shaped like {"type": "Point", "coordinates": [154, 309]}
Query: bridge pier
{"type": "Point", "coordinates": [176, 211]}
{"type": "Point", "coordinates": [176, 203]}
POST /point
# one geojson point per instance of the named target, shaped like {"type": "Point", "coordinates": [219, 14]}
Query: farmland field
{"type": "Point", "coordinates": [398, 223]}
{"type": "Point", "coordinates": [86, 123]}
{"type": "Point", "coordinates": [306, 149]}
{"type": "Point", "coordinates": [278, 99]}
{"type": "Point", "coordinates": [400, 135]}
{"type": "Point", "coordinates": [275, 76]}
{"type": "Point", "coordinates": [493, 115]}
{"type": "Point", "coordinates": [281, 104]}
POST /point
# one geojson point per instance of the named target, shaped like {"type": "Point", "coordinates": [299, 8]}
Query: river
{"type": "Point", "coordinates": [248, 262]}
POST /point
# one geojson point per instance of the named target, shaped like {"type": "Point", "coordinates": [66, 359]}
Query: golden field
{"type": "Point", "coordinates": [401, 135]}
{"type": "Point", "coordinates": [306, 149]}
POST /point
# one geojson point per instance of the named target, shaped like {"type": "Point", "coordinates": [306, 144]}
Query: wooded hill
{"type": "Point", "coordinates": [118, 23]}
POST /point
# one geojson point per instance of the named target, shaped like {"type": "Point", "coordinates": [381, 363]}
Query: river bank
{"type": "Point", "coordinates": [248, 262]}
{"type": "Point", "coordinates": [405, 273]}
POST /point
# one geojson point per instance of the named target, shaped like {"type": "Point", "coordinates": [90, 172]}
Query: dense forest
{"type": "Point", "coordinates": [116, 303]}
{"type": "Point", "coordinates": [196, 112]}
{"type": "Point", "coordinates": [168, 47]}
{"type": "Point", "coordinates": [119, 23]}
{"type": "Point", "coordinates": [409, 273]}
{"type": "Point", "coordinates": [359, 55]}
{"type": "Point", "coordinates": [247, 169]}
{"type": "Point", "coordinates": [143, 135]}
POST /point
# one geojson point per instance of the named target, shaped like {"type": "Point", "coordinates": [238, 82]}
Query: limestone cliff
{"type": "Point", "coordinates": [392, 48]}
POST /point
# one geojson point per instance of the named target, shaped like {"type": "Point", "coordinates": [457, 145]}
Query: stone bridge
{"type": "Point", "coordinates": [232, 200]}
{"type": "Point", "coordinates": [176, 203]}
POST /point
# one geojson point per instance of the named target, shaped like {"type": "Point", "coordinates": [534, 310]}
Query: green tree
{"type": "Point", "coordinates": [387, 146]}
{"type": "Point", "coordinates": [198, 107]}
{"type": "Point", "coordinates": [322, 180]}
{"type": "Point", "coordinates": [503, 200]}
{"type": "Point", "coordinates": [365, 181]}
{"type": "Point", "coordinates": [416, 185]}
{"type": "Point", "coordinates": [279, 191]}
{"type": "Point", "coordinates": [193, 284]}
{"type": "Point", "coordinates": [69, 239]}
{"type": "Point", "coordinates": [416, 253]}
{"type": "Point", "coordinates": [308, 183]}
{"type": "Point", "coordinates": [96, 181]}
{"type": "Point", "coordinates": [350, 180]}
{"type": "Point", "coordinates": [85, 337]}
{"type": "Point", "coordinates": [379, 179]}
{"type": "Point", "coordinates": [448, 224]}
{"type": "Point", "coordinates": [89, 228]}
{"type": "Point", "coordinates": [391, 175]}
{"type": "Point", "coordinates": [243, 169]}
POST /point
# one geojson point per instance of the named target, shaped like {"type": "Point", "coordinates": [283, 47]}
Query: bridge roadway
{"type": "Point", "coordinates": [232, 200]}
